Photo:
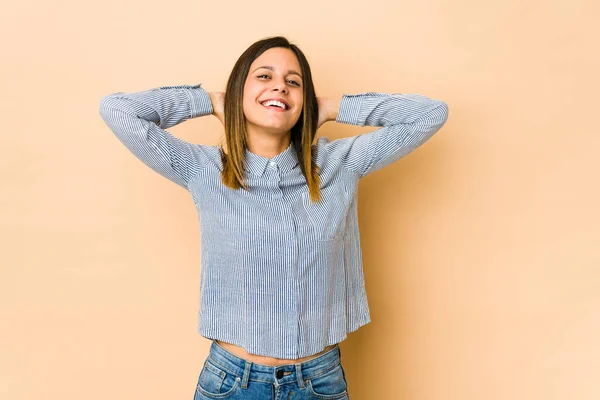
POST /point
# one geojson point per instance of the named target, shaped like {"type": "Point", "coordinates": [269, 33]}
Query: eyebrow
{"type": "Point", "coordinates": [270, 67]}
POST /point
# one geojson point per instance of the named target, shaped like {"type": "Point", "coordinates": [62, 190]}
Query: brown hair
{"type": "Point", "coordinates": [302, 133]}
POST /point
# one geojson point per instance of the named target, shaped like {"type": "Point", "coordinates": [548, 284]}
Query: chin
{"type": "Point", "coordinates": [272, 128]}
{"type": "Point", "coordinates": [276, 129]}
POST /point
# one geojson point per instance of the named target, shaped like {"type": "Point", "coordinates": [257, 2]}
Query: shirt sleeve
{"type": "Point", "coordinates": [139, 121]}
{"type": "Point", "coordinates": [406, 120]}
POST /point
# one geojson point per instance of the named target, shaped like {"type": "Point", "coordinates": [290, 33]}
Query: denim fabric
{"type": "Point", "coordinates": [227, 376]}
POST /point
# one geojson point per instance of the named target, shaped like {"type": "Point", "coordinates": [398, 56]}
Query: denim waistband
{"type": "Point", "coordinates": [249, 370]}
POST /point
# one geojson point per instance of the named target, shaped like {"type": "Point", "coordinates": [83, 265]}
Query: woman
{"type": "Point", "coordinates": [281, 276]}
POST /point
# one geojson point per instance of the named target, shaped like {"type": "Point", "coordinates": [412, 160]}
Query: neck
{"type": "Point", "coordinates": [267, 145]}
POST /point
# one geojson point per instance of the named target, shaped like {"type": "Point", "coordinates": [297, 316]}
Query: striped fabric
{"type": "Point", "coordinates": [280, 276]}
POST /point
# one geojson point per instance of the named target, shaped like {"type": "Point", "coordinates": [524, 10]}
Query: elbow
{"type": "Point", "coordinates": [110, 103]}
{"type": "Point", "coordinates": [439, 115]}
{"type": "Point", "coordinates": [105, 105]}
{"type": "Point", "coordinates": [435, 119]}
{"type": "Point", "coordinates": [442, 112]}
{"type": "Point", "coordinates": [110, 109]}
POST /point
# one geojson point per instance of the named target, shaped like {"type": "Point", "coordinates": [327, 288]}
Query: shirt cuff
{"type": "Point", "coordinates": [349, 112]}
{"type": "Point", "coordinates": [200, 103]}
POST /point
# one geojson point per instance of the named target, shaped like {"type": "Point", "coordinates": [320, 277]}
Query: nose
{"type": "Point", "coordinates": [279, 86]}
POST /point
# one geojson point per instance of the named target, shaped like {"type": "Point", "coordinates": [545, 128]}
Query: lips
{"type": "Point", "coordinates": [276, 103]}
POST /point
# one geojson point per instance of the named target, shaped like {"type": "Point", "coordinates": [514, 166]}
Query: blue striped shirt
{"type": "Point", "coordinates": [280, 276]}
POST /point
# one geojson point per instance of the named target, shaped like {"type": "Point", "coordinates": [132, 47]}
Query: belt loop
{"type": "Point", "coordinates": [299, 376]}
{"type": "Point", "coordinates": [246, 377]}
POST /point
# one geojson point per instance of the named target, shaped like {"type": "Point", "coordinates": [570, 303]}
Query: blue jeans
{"type": "Point", "coordinates": [227, 376]}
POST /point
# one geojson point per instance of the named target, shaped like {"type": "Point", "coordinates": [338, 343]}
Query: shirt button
{"type": "Point", "coordinates": [280, 374]}
{"type": "Point", "coordinates": [272, 163]}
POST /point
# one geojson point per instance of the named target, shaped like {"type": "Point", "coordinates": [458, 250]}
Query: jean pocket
{"type": "Point", "coordinates": [216, 383]}
{"type": "Point", "coordinates": [330, 385]}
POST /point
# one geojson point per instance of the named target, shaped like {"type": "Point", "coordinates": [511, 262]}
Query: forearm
{"type": "Point", "coordinates": [382, 109]}
{"type": "Point", "coordinates": [165, 106]}
{"type": "Point", "coordinates": [217, 100]}
{"type": "Point", "coordinates": [333, 108]}
{"type": "Point", "coordinates": [139, 121]}
{"type": "Point", "coordinates": [405, 122]}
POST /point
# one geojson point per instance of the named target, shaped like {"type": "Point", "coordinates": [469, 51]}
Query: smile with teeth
{"type": "Point", "coordinates": [275, 103]}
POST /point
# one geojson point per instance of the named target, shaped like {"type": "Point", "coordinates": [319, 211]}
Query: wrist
{"type": "Point", "coordinates": [334, 108]}
{"type": "Point", "coordinates": [213, 100]}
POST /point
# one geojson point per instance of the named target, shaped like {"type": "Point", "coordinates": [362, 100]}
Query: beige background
{"type": "Point", "coordinates": [480, 248]}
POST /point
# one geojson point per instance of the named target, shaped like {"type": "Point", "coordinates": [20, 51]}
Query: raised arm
{"type": "Point", "coordinates": [407, 121]}
{"type": "Point", "coordinates": [139, 121]}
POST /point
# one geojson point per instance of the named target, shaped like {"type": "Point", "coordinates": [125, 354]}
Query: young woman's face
{"type": "Point", "coordinates": [273, 90]}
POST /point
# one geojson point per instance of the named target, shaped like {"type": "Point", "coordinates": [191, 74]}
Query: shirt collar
{"type": "Point", "coordinates": [285, 161]}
